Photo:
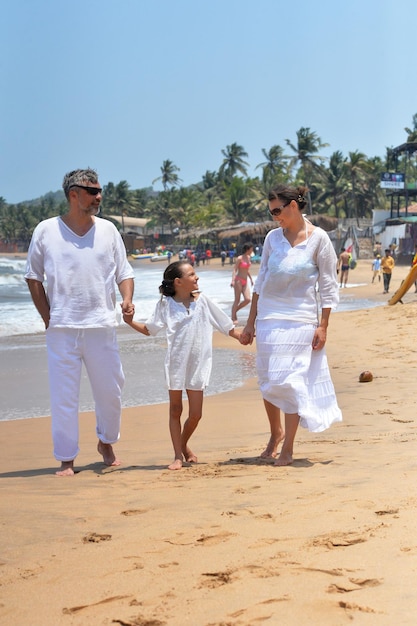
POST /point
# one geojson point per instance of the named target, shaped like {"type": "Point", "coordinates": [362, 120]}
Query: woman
{"type": "Point", "coordinates": [240, 277]}
{"type": "Point", "coordinates": [290, 331]}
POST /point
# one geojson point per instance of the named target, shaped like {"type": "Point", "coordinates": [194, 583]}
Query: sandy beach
{"type": "Point", "coordinates": [233, 540]}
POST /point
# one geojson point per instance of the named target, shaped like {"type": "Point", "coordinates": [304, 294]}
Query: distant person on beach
{"type": "Point", "coordinates": [343, 266]}
{"type": "Point", "coordinates": [83, 259]}
{"type": "Point", "coordinates": [240, 280]}
{"type": "Point", "coordinates": [376, 268]}
{"type": "Point", "coordinates": [290, 333]}
{"type": "Point", "coordinates": [223, 255]}
{"type": "Point", "coordinates": [187, 317]}
{"type": "Point", "coordinates": [387, 265]}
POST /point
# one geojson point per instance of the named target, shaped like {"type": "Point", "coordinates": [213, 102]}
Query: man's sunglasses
{"type": "Point", "coordinates": [93, 191]}
{"type": "Point", "coordinates": [278, 209]}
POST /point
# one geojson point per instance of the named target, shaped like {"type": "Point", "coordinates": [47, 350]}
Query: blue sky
{"type": "Point", "coordinates": [122, 85]}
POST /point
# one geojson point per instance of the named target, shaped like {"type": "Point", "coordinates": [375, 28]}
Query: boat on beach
{"type": "Point", "coordinates": [141, 256]}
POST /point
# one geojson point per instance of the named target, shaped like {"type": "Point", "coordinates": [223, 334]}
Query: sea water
{"type": "Point", "coordinates": [23, 368]}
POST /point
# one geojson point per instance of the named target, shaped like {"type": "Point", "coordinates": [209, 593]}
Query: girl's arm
{"type": "Point", "coordinates": [139, 326]}
{"type": "Point", "coordinates": [235, 334]}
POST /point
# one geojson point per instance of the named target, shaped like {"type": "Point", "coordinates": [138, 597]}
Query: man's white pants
{"type": "Point", "coordinates": [68, 349]}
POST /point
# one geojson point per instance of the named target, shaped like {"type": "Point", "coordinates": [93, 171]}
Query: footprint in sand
{"type": "Point", "coordinates": [134, 512]}
{"type": "Point", "coordinates": [216, 579]}
{"type": "Point", "coordinates": [95, 538]}
{"type": "Point", "coordinates": [210, 540]}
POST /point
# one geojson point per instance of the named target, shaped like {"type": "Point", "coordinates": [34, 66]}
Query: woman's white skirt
{"type": "Point", "coordinates": [294, 377]}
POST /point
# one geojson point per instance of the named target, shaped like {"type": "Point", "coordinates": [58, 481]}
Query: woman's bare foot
{"type": "Point", "coordinates": [175, 465]}
{"type": "Point", "coordinates": [189, 456]}
{"type": "Point", "coordinates": [67, 469]}
{"type": "Point", "coordinates": [106, 451]}
{"type": "Point", "coordinates": [270, 451]}
{"type": "Point", "coordinates": [285, 458]}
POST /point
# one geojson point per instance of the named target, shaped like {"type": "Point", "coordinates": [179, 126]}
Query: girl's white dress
{"type": "Point", "coordinates": [189, 334]}
{"type": "Point", "coordinates": [293, 285]}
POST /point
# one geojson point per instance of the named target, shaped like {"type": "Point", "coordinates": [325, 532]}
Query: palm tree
{"type": "Point", "coordinates": [233, 162]}
{"type": "Point", "coordinates": [306, 149]}
{"type": "Point", "coordinates": [276, 161]}
{"type": "Point", "coordinates": [334, 182]}
{"type": "Point", "coordinates": [169, 175]}
{"type": "Point", "coordinates": [240, 200]}
{"type": "Point", "coordinates": [357, 169]}
{"type": "Point", "coordinates": [118, 200]}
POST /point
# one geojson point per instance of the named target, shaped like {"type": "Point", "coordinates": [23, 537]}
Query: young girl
{"type": "Point", "coordinates": [187, 317]}
{"type": "Point", "coordinates": [240, 280]}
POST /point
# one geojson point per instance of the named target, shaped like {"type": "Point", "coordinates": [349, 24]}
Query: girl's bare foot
{"type": "Point", "coordinates": [175, 465]}
{"type": "Point", "coordinates": [285, 458]}
{"type": "Point", "coordinates": [270, 451]}
{"type": "Point", "coordinates": [67, 469]}
{"type": "Point", "coordinates": [189, 456]}
{"type": "Point", "coordinates": [106, 451]}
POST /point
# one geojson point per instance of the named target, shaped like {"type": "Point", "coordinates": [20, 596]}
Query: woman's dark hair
{"type": "Point", "coordinates": [282, 192]}
{"type": "Point", "coordinates": [246, 247]}
{"type": "Point", "coordinates": [173, 271]}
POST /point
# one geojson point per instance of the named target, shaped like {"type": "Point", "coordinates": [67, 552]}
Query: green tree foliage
{"type": "Point", "coordinates": [169, 175]}
{"type": "Point", "coordinates": [343, 186]}
{"type": "Point", "coordinates": [233, 163]}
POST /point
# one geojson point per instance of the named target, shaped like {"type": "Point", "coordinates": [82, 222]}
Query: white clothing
{"type": "Point", "coordinates": [68, 349]}
{"type": "Point", "coordinates": [288, 276]}
{"type": "Point", "coordinates": [189, 333]}
{"type": "Point", "coordinates": [292, 376]}
{"type": "Point", "coordinates": [81, 272]}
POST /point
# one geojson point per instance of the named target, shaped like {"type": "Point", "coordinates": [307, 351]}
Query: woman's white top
{"type": "Point", "coordinates": [81, 272]}
{"type": "Point", "coordinates": [295, 283]}
{"type": "Point", "coordinates": [189, 334]}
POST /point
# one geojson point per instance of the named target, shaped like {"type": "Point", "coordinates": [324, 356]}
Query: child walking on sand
{"type": "Point", "coordinates": [188, 318]}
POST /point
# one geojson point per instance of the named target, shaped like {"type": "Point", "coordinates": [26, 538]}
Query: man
{"type": "Point", "coordinates": [387, 265]}
{"type": "Point", "coordinates": [83, 258]}
{"type": "Point", "coordinates": [343, 266]}
{"type": "Point", "coordinates": [376, 268]}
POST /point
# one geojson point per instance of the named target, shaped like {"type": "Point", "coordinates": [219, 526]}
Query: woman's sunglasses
{"type": "Point", "coordinates": [278, 210]}
{"type": "Point", "coordinates": [93, 191]}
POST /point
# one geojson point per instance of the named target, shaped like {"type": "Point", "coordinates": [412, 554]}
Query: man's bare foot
{"type": "Point", "coordinates": [189, 456]}
{"type": "Point", "coordinates": [285, 458]}
{"type": "Point", "coordinates": [270, 451]}
{"type": "Point", "coordinates": [67, 469]}
{"type": "Point", "coordinates": [175, 465]}
{"type": "Point", "coordinates": [106, 451]}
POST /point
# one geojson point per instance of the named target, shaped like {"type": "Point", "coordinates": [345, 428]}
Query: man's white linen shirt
{"type": "Point", "coordinates": [81, 272]}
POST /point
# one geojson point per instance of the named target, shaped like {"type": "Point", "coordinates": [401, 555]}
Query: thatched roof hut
{"type": "Point", "coordinates": [250, 230]}
{"type": "Point", "coordinates": [325, 222]}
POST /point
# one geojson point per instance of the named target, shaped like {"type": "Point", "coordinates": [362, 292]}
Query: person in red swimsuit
{"type": "Point", "coordinates": [240, 280]}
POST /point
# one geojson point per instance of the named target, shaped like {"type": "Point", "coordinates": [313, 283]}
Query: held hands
{"type": "Point", "coordinates": [247, 335]}
{"type": "Point", "coordinates": [128, 311]}
{"type": "Point", "coordinates": [128, 308]}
